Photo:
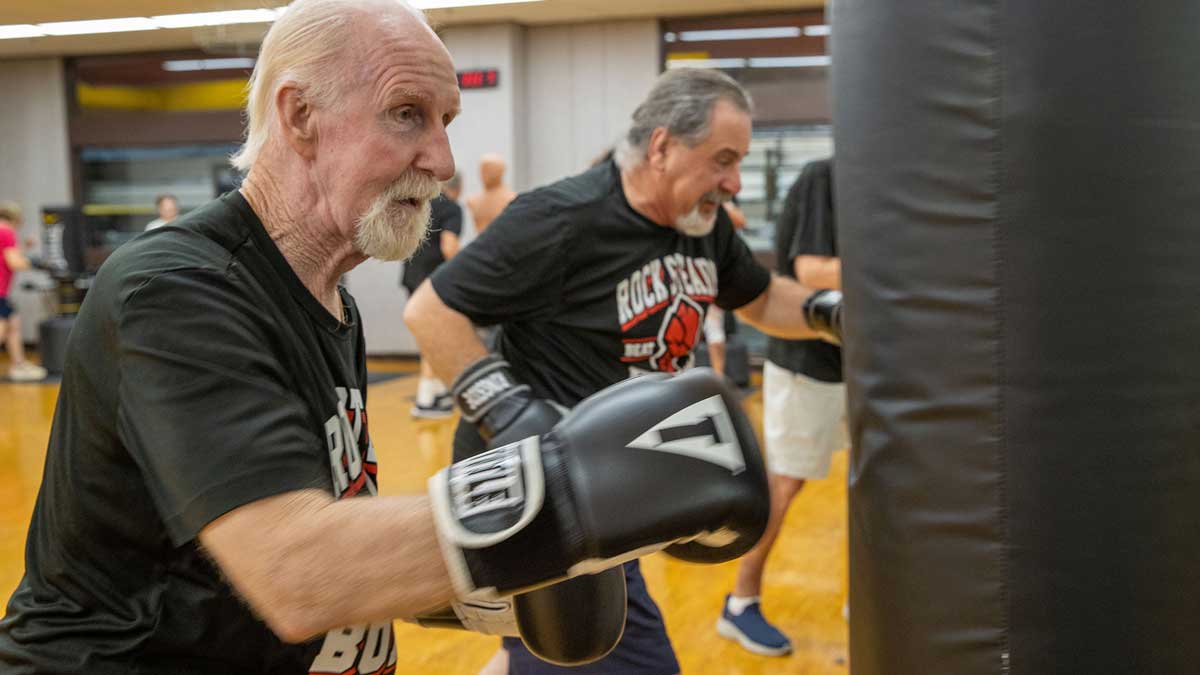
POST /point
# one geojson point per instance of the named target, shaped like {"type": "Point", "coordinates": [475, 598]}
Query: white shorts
{"type": "Point", "coordinates": [804, 422]}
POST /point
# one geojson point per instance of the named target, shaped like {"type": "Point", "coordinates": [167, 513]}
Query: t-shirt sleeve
{"type": "Point", "coordinates": [740, 278]}
{"type": "Point", "coordinates": [8, 238]}
{"type": "Point", "coordinates": [514, 271]}
{"type": "Point", "coordinates": [811, 210]}
{"type": "Point", "coordinates": [454, 219]}
{"type": "Point", "coordinates": [204, 405]}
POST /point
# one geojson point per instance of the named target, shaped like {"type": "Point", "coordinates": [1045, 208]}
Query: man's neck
{"type": "Point", "coordinates": [643, 196]}
{"type": "Point", "coordinates": [300, 226]}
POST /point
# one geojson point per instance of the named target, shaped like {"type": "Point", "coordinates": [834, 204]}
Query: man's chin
{"type": "Point", "coordinates": [696, 225]}
{"type": "Point", "coordinates": [391, 245]}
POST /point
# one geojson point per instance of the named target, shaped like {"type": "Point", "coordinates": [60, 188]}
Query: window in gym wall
{"type": "Point", "coordinates": [143, 125]}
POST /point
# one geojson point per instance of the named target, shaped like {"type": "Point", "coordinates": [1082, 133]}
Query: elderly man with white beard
{"type": "Point", "coordinates": [597, 278]}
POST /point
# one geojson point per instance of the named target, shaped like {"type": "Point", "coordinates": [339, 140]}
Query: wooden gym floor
{"type": "Point", "coordinates": [804, 588]}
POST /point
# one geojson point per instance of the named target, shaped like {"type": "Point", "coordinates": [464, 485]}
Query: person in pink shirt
{"type": "Point", "coordinates": [11, 262]}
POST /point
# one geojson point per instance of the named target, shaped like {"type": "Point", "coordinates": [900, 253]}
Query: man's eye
{"type": "Point", "coordinates": [407, 115]}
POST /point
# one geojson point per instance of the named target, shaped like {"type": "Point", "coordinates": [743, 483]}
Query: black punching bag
{"type": "Point", "coordinates": [1019, 213]}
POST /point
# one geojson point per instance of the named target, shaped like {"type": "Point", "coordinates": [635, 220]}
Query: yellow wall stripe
{"type": "Point", "coordinates": [214, 95]}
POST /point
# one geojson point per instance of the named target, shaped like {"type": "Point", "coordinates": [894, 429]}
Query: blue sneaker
{"type": "Point", "coordinates": [752, 631]}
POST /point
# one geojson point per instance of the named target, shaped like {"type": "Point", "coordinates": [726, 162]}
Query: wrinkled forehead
{"type": "Point", "coordinates": [401, 50]}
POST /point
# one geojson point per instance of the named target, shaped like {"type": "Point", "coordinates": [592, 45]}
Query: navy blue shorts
{"type": "Point", "coordinates": [644, 649]}
{"type": "Point", "coordinates": [6, 308]}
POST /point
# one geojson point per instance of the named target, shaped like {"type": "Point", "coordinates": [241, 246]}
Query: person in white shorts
{"type": "Point", "coordinates": [804, 400]}
{"type": "Point", "coordinates": [714, 318]}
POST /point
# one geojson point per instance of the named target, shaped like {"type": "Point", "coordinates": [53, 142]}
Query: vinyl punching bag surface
{"type": "Point", "coordinates": [1019, 213]}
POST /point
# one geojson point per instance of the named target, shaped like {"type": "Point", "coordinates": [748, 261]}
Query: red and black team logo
{"type": "Point", "coordinates": [679, 333]}
{"type": "Point", "coordinates": [661, 308]}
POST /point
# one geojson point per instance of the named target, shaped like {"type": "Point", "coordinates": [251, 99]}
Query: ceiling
{"type": "Point", "coordinates": [525, 13]}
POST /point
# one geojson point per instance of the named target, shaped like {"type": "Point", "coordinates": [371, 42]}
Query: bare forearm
{"type": "Point", "coordinates": [448, 243]}
{"type": "Point", "coordinates": [819, 271]}
{"type": "Point", "coordinates": [324, 564]}
{"type": "Point", "coordinates": [447, 339]}
{"type": "Point", "coordinates": [16, 260]}
{"type": "Point", "coordinates": [779, 311]}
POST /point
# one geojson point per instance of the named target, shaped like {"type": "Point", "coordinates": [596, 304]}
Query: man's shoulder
{"type": "Point", "coordinates": [580, 191]}
{"type": "Point", "coordinates": [204, 240]}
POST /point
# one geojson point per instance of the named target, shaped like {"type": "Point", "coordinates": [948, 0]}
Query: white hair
{"type": "Point", "coordinates": [306, 45]}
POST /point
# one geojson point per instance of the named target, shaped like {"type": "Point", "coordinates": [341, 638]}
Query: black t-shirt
{"type": "Point", "coordinates": [806, 227]}
{"type": "Point", "coordinates": [445, 215]}
{"type": "Point", "coordinates": [587, 289]}
{"type": "Point", "coordinates": [200, 376]}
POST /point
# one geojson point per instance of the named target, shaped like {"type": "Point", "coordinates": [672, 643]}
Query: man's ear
{"type": "Point", "coordinates": [656, 153]}
{"type": "Point", "coordinates": [296, 119]}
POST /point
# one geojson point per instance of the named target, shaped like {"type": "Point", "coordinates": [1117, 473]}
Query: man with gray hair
{"type": "Point", "coordinates": [600, 277]}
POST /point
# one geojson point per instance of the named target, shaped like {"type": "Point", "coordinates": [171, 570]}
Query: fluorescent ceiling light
{"type": "Point", "coordinates": [740, 34]}
{"type": "Point", "coordinates": [763, 62]}
{"type": "Point", "coordinates": [207, 64]}
{"type": "Point", "coordinates": [20, 30]}
{"type": "Point", "coordinates": [97, 26]}
{"type": "Point", "coordinates": [706, 63]}
{"type": "Point", "coordinates": [216, 18]}
{"type": "Point", "coordinates": [192, 20]}
{"type": "Point", "coordinates": [447, 4]}
{"type": "Point", "coordinates": [817, 30]}
{"type": "Point", "coordinates": [789, 61]}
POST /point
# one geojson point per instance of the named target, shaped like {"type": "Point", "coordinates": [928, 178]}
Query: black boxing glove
{"type": "Point", "coordinates": [650, 463]}
{"type": "Point", "coordinates": [502, 409]}
{"type": "Point", "coordinates": [575, 621]}
{"type": "Point", "coordinates": [823, 312]}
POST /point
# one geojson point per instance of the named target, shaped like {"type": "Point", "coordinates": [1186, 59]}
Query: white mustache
{"type": "Point", "coordinates": [413, 185]}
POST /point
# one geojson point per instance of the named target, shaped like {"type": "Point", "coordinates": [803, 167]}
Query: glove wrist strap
{"type": "Point", "coordinates": [483, 385]}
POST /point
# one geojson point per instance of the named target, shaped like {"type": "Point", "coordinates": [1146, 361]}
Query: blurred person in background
{"type": "Point", "coordinates": [445, 228]}
{"type": "Point", "coordinates": [804, 399]}
{"type": "Point", "coordinates": [715, 333]}
{"type": "Point", "coordinates": [168, 210]}
{"type": "Point", "coordinates": [13, 261]}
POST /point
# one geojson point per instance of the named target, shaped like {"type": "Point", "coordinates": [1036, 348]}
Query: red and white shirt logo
{"type": "Point", "coordinates": [661, 310]}
{"type": "Point", "coordinates": [364, 649]}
